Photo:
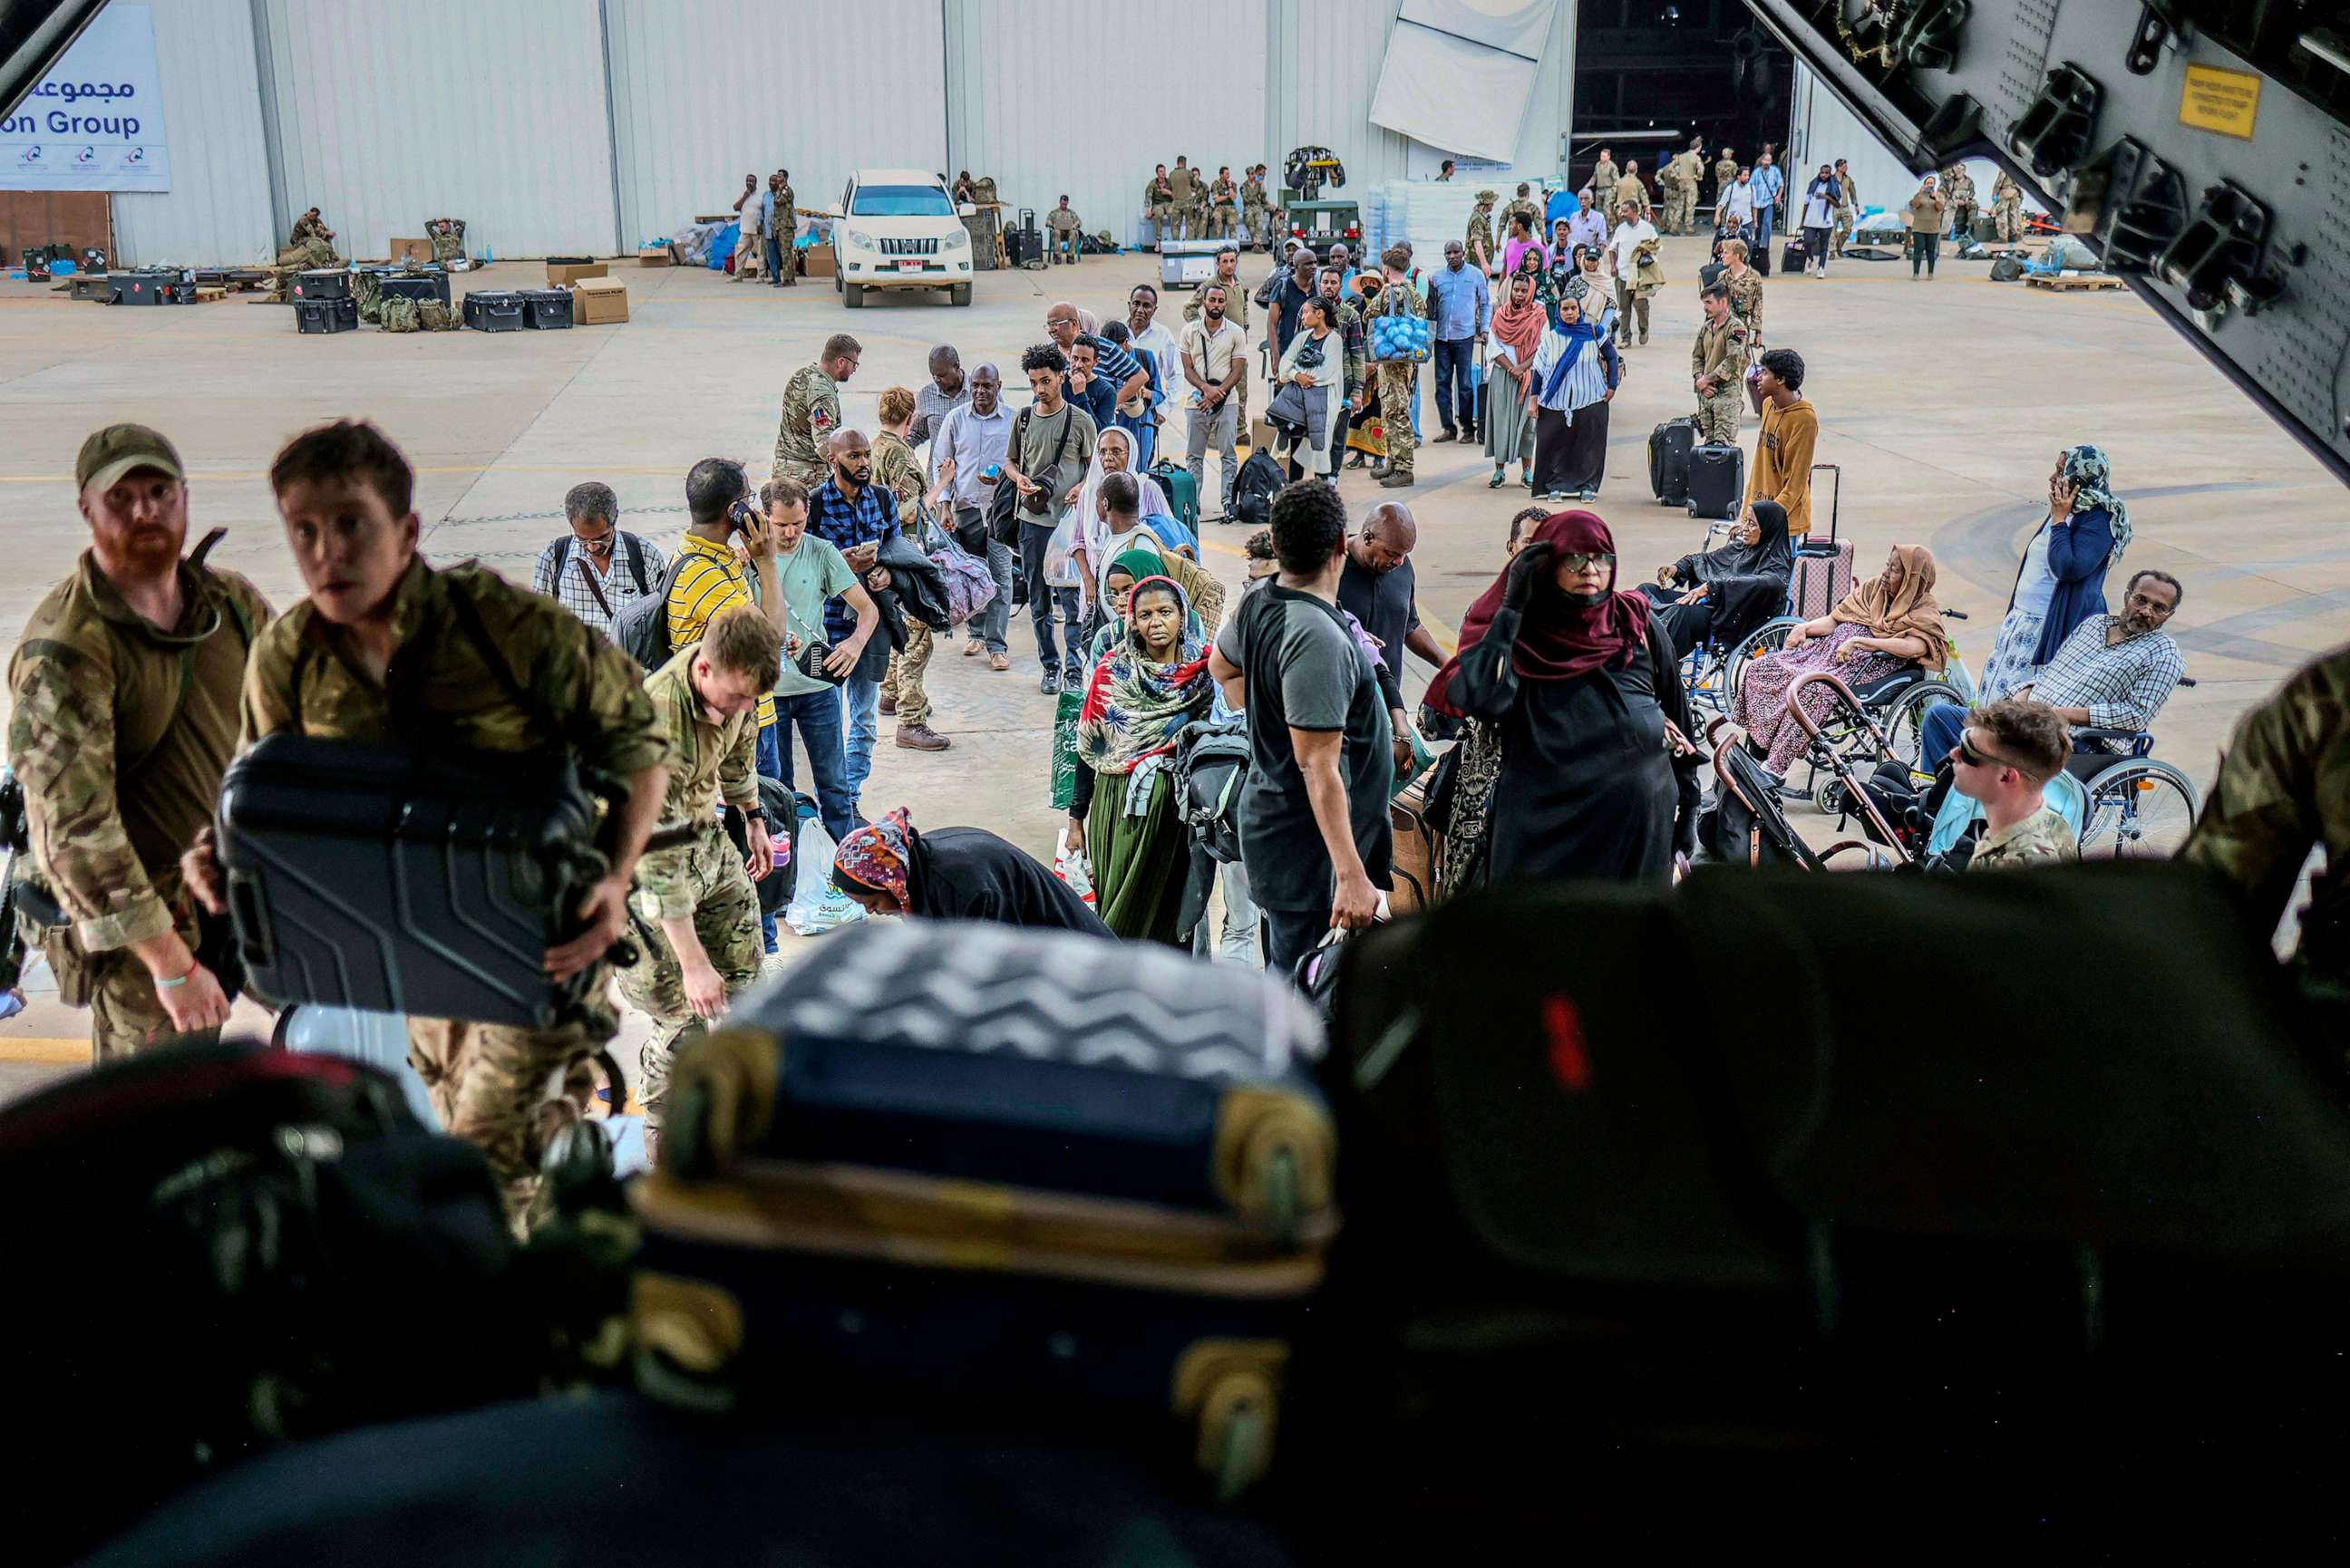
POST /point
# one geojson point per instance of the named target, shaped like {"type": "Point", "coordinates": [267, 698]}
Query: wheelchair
{"type": "Point", "coordinates": [2138, 809]}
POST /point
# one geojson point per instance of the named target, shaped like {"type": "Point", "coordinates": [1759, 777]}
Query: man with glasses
{"type": "Point", "coordinates": [2114, 672]}
{"type": "Point", "coordinates": [576, 569]}
{"type": "Point", "coordinates": [1123, 369]}
{"type": "Point", "coordinates": [2001, 761]}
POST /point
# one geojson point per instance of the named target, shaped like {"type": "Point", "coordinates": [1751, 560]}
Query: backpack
{"type": "Point", "coordinates": [1210, 761]}
{"type": "Point", "coordinates": [400, 313]}
{"type": "Point", "coordinates": [1260, 482]}
{"type": "Point", "coordinates": [642, 628]}
{"type": "Point", "coordinates": [631, 549]}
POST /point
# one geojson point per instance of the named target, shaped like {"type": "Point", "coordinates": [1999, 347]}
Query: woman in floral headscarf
{"type": "Point", "coordinates": [2061, 581]}
{"type": "Point", "coordinates": [954, 874]}
{"type": "Point", "coordinates": [1153, 681]}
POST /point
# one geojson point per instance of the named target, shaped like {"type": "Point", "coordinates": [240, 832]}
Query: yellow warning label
{"type": "Point", "coordinates": [2224, 101]}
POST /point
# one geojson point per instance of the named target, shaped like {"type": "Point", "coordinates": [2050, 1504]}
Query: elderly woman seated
{"type": "Point", "coordinates": [1726, 593]}
{"type": "Point", "coordinates": [1883, 627]}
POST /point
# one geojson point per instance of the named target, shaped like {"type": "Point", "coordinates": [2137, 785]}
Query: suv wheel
{"type": "Point", "coordinates": [854, 295]}
{"type": "Point", "coordinates": [959, 294]}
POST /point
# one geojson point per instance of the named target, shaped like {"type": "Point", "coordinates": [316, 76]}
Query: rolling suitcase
{"type": "Point", "coordinates": [948, 1164]}
{"type": "Point", "coordinates": [1182, 491]}
{"type": "Point", "coordinates": [1822, 567]}
{"type": "Point", "coordinates": [1669, 445]}
{"type": "Point", "coordinates": [1717, 480]}
{"type": "Point", "coordinates": [1791, 257]}
{"type": "Point", "coordinates": [398, 881]}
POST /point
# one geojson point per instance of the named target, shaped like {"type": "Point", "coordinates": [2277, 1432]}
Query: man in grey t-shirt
{"type": "Point", "coordinates": [1314, 812]}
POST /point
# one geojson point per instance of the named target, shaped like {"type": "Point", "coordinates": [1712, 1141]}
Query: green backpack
{"type": "Point", "coordinates": [404, 314]}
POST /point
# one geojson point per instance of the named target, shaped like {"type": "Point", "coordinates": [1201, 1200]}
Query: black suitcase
{"type": "Point", "coordinates": [416, 286]}
{"type": "Point", "coordinates": [1717, 480]}
{"type": "Point", "coordinates": [493, 310]}
{"type": "Point", "coordinates": [327, 315]}
{"type": "Point", "coordinates": [958, 1163]}
{"type": "Point", "coordinates": [1669, 445]}
{"type": "Point", "coordinates": [429, 884]}
{"type": "Point", "coordinates": [148, 288]}
{"type": "Point", "coordinates": [1791, 257]}
{"type": "Point", "coordinates": [323, 283]}
{"type": "Point", "coordinates": [547, 309]}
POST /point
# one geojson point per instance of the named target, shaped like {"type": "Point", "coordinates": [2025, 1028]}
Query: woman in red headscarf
{"type": "Point", "coordinates": [1575, 762]}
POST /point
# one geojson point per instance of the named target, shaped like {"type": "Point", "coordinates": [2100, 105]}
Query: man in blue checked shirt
{"type": "Point", "coordinates": [1460, 309]}
{"type": "Point", "coordinates": [853, 514]}
{"type": "Point", "coordinates": [1770, 187]}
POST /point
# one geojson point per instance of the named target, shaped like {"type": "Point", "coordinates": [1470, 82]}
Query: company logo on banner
{"type": "Point", "coordinates": [96, 123]}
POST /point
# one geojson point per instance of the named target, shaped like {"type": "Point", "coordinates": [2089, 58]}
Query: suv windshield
{"type": "Point", "coordinates": [901, 202]}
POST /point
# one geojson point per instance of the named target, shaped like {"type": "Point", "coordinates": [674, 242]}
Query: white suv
{"type": "Point", "coordinates": [899, 228]}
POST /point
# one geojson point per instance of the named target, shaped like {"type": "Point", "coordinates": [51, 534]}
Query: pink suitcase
{"type": "Point", "coordinates": [1822, 567]}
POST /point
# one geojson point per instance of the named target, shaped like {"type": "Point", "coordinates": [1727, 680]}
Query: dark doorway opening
{"type": "Point", "coordinates": [1651, 74]}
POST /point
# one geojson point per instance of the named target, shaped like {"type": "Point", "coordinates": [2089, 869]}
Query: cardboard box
{"type": "Point", "coordinates": [412, 250]}
{"type": "Point", "coordinates": [657, 255]}
{"type": "Point", "coordinates": [1259, 436]}
{"type": "Point", "coordinates": [598, 301]}
{"type": "Point", "coordinates": [562, 274]}
{"type": "Point", "coordinates": [818, 261]}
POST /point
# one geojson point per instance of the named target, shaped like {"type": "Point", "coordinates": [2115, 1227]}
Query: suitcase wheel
{"type": "Point", "coordinates": [721, 1100]}
{"type": "Point", "coordinates": [1231, 1389]}
{"type": "Point", "coordinates": [1273, 1161]}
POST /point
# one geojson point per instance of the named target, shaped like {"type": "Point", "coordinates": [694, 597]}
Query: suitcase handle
{"type": "Point", "coordinates": [1836, 496]}
{"type": "Point", "coordinates": [256, 943]}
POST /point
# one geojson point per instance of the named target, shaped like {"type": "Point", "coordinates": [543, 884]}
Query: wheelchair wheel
{"type": "Point", "coordinates": [2138, 810]}
{"type": "Point", "coordinates": [1768, 637]}
{"type": "Point", "coordinates": [1904, 721]}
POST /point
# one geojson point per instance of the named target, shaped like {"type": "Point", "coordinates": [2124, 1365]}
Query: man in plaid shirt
{"type": "Point", "coordinates": [2114, 672]}
{"type": "Point", "coordinates": [596, 571]}
{"type": "Point", "coordinates": [853, 514]}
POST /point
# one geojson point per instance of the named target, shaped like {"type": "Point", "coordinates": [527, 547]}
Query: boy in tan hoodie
{"type": "Point", "coordinates": [1790, 430]}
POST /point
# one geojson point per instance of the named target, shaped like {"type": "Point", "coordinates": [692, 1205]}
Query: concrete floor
{"type": "Point", "coordinates": [1944, 401]}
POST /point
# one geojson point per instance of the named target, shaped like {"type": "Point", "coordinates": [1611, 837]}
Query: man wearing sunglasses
{"type": "Point", "coordinates": [2005, 755]}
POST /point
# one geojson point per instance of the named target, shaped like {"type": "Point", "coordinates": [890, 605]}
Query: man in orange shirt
{"type": "Point", "coordinates": [1791, 429]}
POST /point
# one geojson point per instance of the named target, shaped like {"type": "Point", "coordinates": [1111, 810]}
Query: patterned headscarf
{"type": "Point", "coordinates": [1133, 707]}
{"type": "Point", "coordinates": [877, 856]}
{"type": "Point", "coordinates": [2089, 472]}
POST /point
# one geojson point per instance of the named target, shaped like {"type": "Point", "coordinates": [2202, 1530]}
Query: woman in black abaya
{"type": "Point", "coordinates": [1728, 592]}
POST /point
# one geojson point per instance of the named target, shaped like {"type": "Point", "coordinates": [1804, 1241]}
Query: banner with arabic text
{"type": "Point", "coordinates": [96, 123]}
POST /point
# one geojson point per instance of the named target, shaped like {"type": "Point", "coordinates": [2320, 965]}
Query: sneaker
{"type": "Point", "coordinates": [1401, 479]}
{"type": "Point", "coordinates": [1498, 479]}
{"type": "Point", "coordinates": [921, 738]}
{"type": "Point", "coordinates": [889, 703]}
{"type": "Point", "coordinates": [1050, 683]}
{"type": "Point", "coordinates": [998, 662]}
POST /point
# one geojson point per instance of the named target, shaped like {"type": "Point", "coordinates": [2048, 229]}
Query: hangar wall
{"type": "Point", "coordinates": [564, 126]}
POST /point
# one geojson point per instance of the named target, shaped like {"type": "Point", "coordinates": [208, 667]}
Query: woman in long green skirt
{"type": "Point", "coordinates": [1153, 681]}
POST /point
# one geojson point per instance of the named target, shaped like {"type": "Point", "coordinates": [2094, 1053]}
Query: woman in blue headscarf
{"type": "Point", "coordinates": [1576, 373]}
{"type": "Point", "coordinates": [2061, 581]}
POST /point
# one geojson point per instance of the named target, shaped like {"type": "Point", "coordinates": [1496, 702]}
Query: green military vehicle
{"type": "Point", "coordinates": [1320, 221]}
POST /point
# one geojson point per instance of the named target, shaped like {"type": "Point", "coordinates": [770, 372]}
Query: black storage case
{"type": "Point", "coordinates": [493, 310]}
{"type": "Point", "coordinates": [323, 283]}
{"type": "Point", "coordinates": [416, 286]}
{"type": "Point", "coordinates": [148, 288]}
{"type": "Point", "coordinates": [429, 884]}
{"type": "Point", "coordinates": [327, 315]}
{"type": "Point", "coordinates": [547, 309]}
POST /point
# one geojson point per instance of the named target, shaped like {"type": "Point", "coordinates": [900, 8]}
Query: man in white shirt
{"type": "Point", "coordinates": [1734, 209]}
{"type": "Point", "coordinates": [1632, 231]}
{"type": "Point", "coordinates": [1214, 361]}
{"type": "Point", "coordinates": [971, 440]}
{"type": "Point", "coordinates": [750, 245]}
{"type": "Point", "coordinates": [1145, 335]}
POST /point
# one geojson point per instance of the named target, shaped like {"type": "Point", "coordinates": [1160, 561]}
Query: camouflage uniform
{"type": "Point", "coordinates": [1719, 353]}
{"type": "Point", "coordinates": [1255, 210]}
{"type": "Point", "coordinates": [1746, 301]}
{"type": "Point", "coordinates": [1183, 185]}
{"type": "Point", "coordinates": [2284, 784]}
{"type": "Point", "coordinates": [447, 237]}
{"type": "Point", "coordinates": [306, 248]}
{"type": "Point", "coordinates": [1680, 179]}
{"type": "Point", "coordinates": [702, 878]}
{"type": "Point", "coordinates": [1604, 176]}
{"type": "Point", "coordinates": [897, 470]}
{"type": "Point", "coordinates": [118, 733]}
{"type": "Point", "coordinates": [486, 1080]}
{"type": "Point", "coordinates": [1847, 204]}
{"type": "Point", "coordinates": [1725, 175]}
{"type": "Point", "coordinates": [1532, 213]}
{"type": "Point", "coordinates": [787, 232]}
{"type": "Point", "coordinates": [811, 415]}
{"type": "Point", "coordinates": [1158, 201]}
{"type": "Point", "coordinates": [1066, 227]}
{"type": "Point", "coordinates": [1223, 212]}
{"type": "Point", "coordinates": [1394, 384]}
{"type": "Point", "coordinates": [1959, 194]}
{"type": "Point", "coordinates": [1479, 240]}
{"type": "Point", "coordinates": [2007, 208]}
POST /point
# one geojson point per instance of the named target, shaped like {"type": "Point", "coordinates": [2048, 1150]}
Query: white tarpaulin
{"type": "Point", "coordinates": [96, 123]}
{"type": "Point", "coordinates": [1458, 73]}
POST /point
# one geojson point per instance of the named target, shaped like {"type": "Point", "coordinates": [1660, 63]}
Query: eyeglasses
{"type": "Point", "coordinates": [2147, 601]}
{"type": "Point", "coordinates": [1968, 755]}
{"type": "Point", "coordinates": [1577, 562]}
{"type": "Point", "coordinates": [599, 546]}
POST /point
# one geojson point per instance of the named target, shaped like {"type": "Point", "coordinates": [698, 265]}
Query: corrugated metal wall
{"type": "Point", "coordinates": [217, 210]}
{"type": "Point", "coordinates": [388, 115]}
{"type": "Point", "coordinates": [706, 91]}
{"type": "Point", "coordinates": [1057, 96]}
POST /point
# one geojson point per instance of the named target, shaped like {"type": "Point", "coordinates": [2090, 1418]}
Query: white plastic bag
{"type": "Point", "coordinates": [1071, 866]}
{"type": "Point", "coordinates": [1060, 569]}
{"type": "Point", "coordinates": [815, 907]}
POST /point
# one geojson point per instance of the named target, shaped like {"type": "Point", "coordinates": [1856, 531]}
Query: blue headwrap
{"type": "Point", "coordinates": [1579, 337]}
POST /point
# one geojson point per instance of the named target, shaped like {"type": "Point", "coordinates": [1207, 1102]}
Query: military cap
{"type": "Point", "coordinates": [117, 449]}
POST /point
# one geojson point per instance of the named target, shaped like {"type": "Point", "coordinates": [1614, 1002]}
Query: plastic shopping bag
{"type": "Point", "coordinates": [1060, 567]}
{"type": "Point", "coordinates": [817, 906]}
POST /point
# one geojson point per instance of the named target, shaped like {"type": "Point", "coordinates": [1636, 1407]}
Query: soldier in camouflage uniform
{"type": "Point", "coordinates": [2284, 787]}
{"type": "Point", "coordinates": [124, 716]}
{"type": "Point", "coordinates": [1717, 366]}
{"type": "Point", "coordinates": [1959, 191]}
{"type": "Point", "coordinates": [1524, 204]}
{"type": "Point", "coordinates": [1605, 175]}
{"type": "Point", "coordinates": [786, 229]}
{"type": "Point", "coordinates": [697, 897]}
{"type": "Point", "coordinates": [1847, 204]}
{"type": "Point", "coordinates": [311, 245]}
{"type": "Point", "coordinates": [1224, 206]}
{"type": "Point", "coordinates": [1159, 201]}
{"type": "Point", "coordinates": [1184, 185]}
{"type": "Point", "coordinates": [897, 470]}
{"type": "Point", "coordinates": [1256, 209]}
{"type": "Point", "coordinates": [1680, 181]}
{"type": "Point", "coordinates": [1399, 299]}
{"type": "Point", "coordinates": [1745, 286]}
{"type": "Point", "coordinates": [1725, 175]}
{"type": "Point", "coordinates": [2007, 208]}
{"type": "Point", "coordinates": [812, 412]}
{"type": "Point", "coordinates": [1480, 237]}
{"type": "Point", "coordinates": [389, 651]}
